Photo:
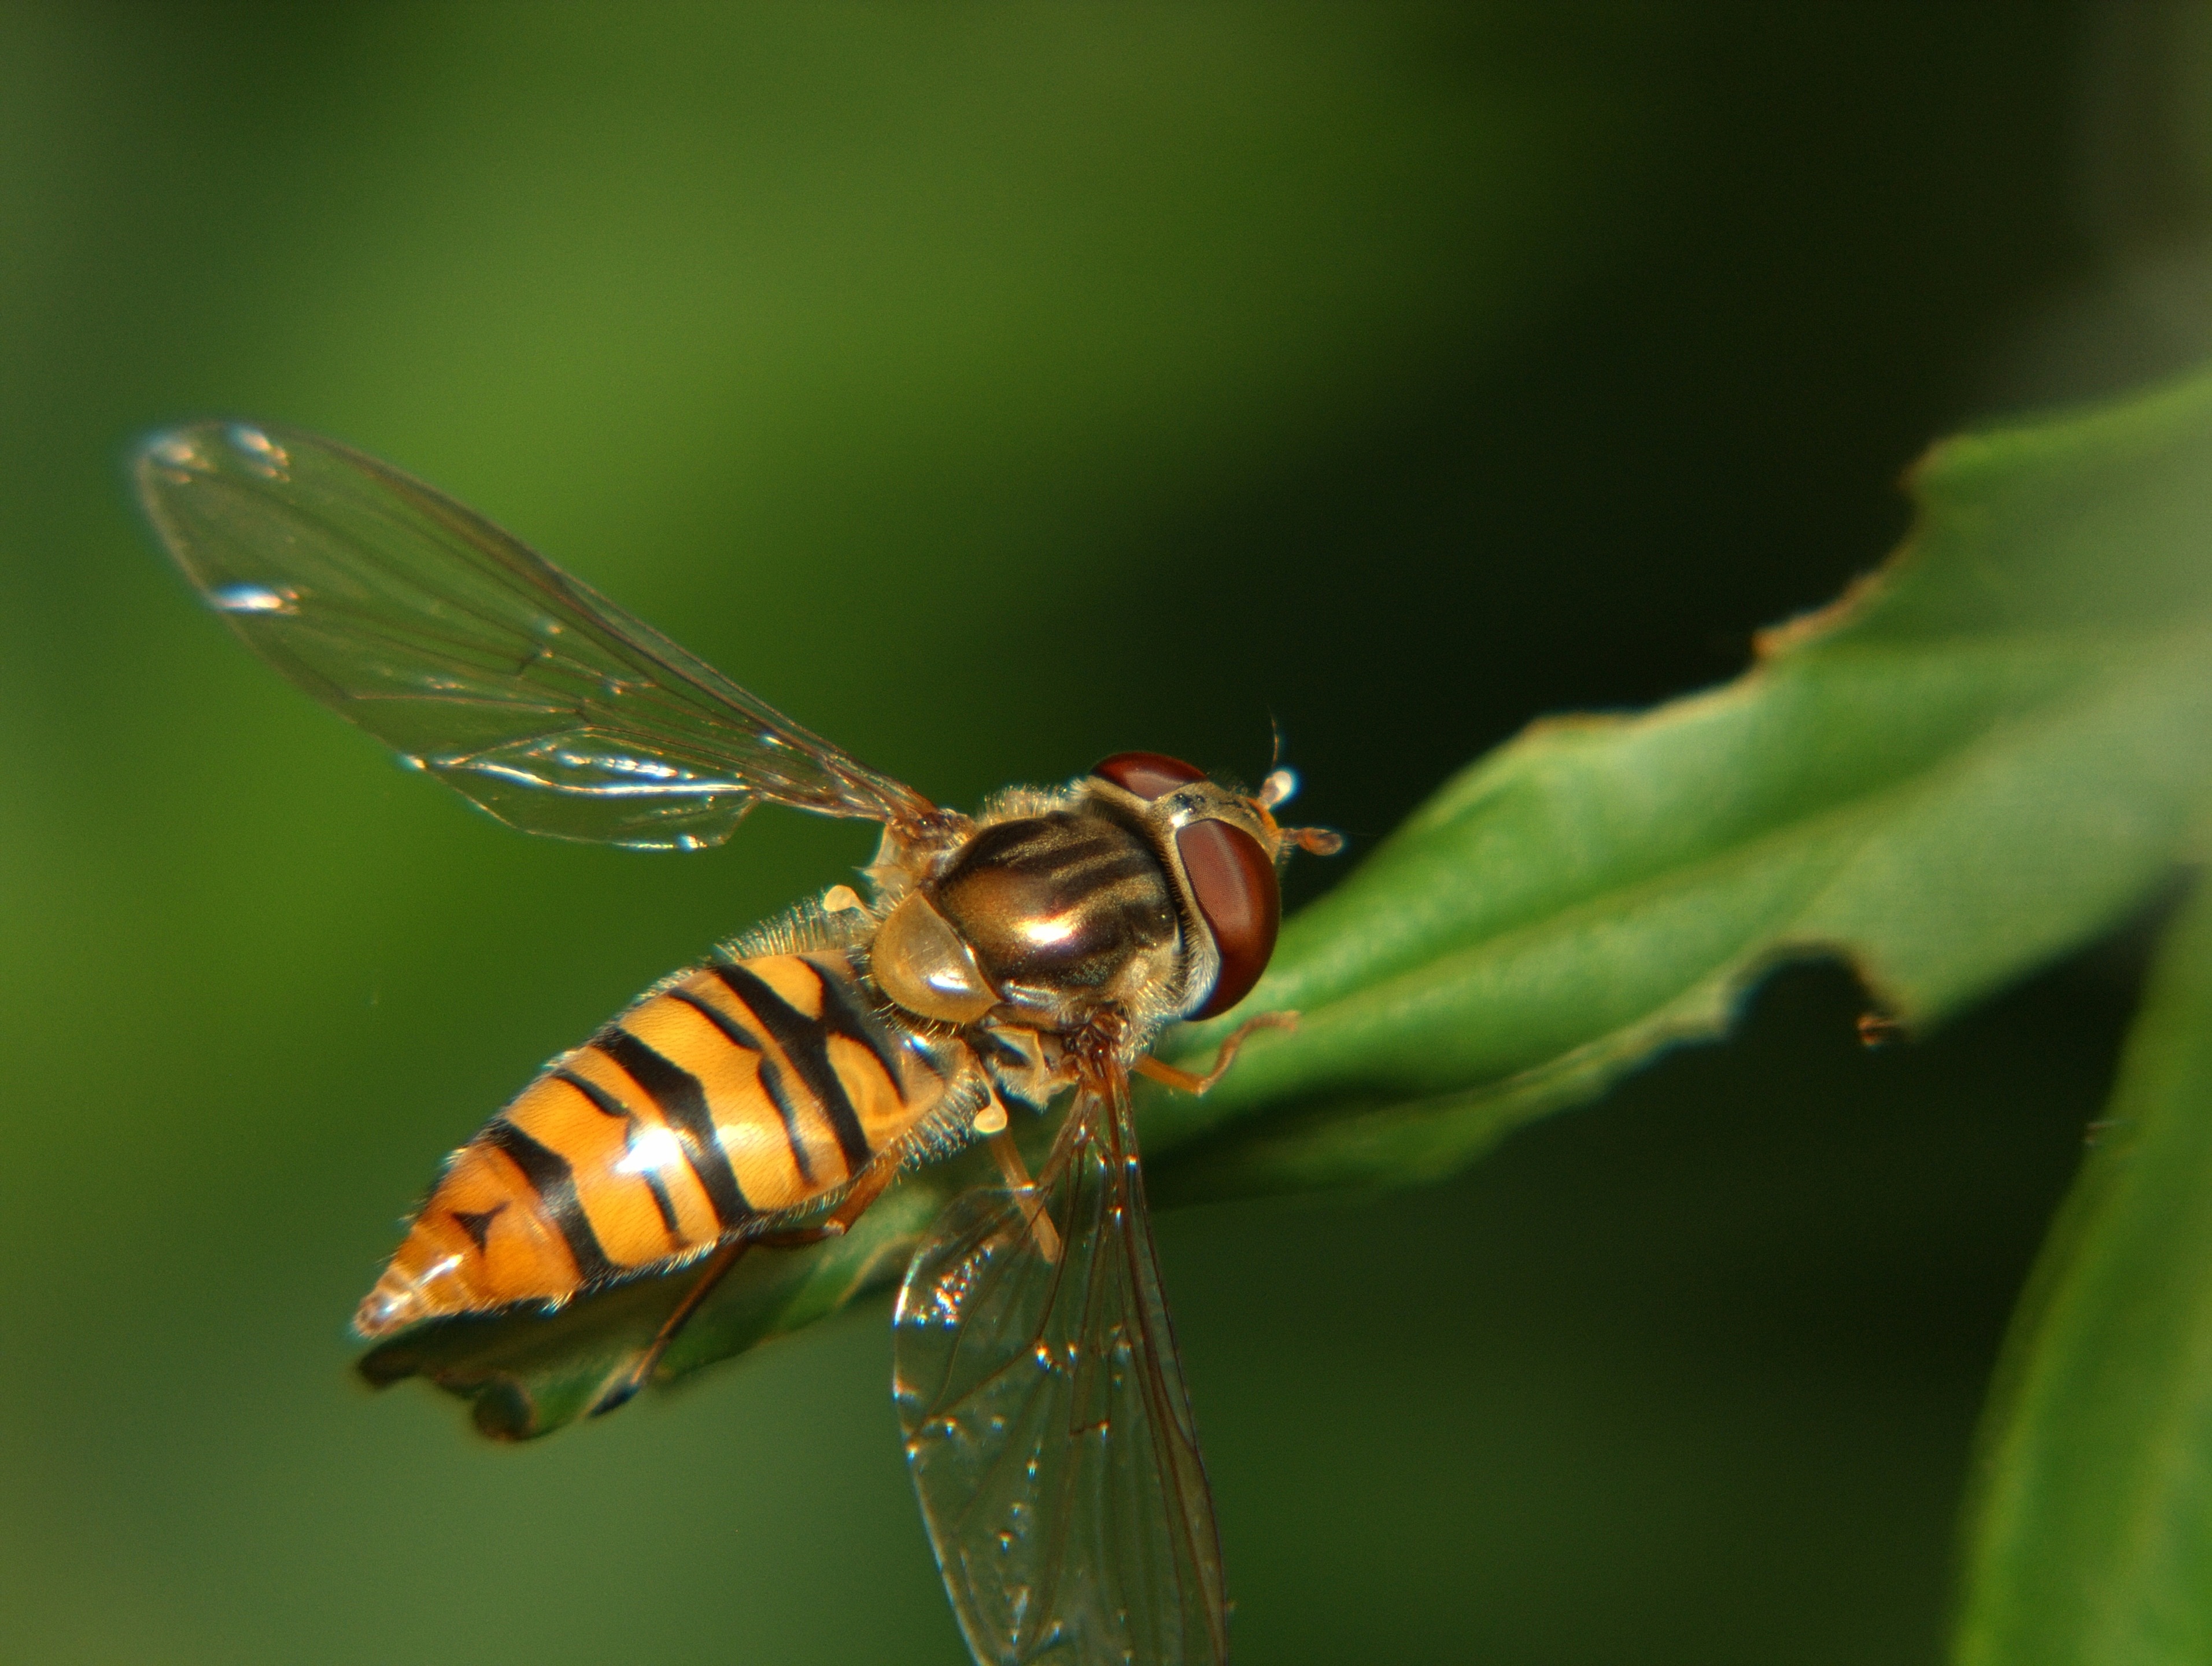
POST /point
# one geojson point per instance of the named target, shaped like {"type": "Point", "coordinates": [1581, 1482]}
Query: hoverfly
{"type": "Point", "coordinates": [769, 1094]}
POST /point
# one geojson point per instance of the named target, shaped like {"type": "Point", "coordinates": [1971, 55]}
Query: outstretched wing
{"type": "Point", "coordinates": [1048, 1427]}
{"type": "Point", "coordinates": [474, 658]}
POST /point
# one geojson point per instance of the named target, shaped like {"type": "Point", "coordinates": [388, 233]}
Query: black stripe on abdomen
{"type": "Point", "coordinates": [554, 1183]}
{"type": "Point", "coordinates": [607, 1105]}
{"type": "Point", "coordinates": [771, 1078]}
{"type": "Point", "coordinates": [805, 1042]}
{"type": "Point", "coordinates": [682, 1103]}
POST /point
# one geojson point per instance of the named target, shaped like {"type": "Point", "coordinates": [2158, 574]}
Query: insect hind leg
{"type": "Point", "coordinates": [864, 1192]}
{"type": "Point", "coordinates": [624, 1388]}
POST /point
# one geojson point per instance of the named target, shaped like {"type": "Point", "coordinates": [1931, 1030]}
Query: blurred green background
{"type": "Point", "coordinates": [993, 389]}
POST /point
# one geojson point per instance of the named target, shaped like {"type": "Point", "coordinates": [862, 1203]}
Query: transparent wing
{"type": "Point", "coordinates": [475, 659]}
{"type": "Point", "coordinates": [1048, 1427]}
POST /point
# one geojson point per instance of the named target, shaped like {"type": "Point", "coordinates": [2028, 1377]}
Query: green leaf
{"type": "Point", "coordinates": [1984, 754]}
{"type": "Point", "coordinates": [2091, 1540]}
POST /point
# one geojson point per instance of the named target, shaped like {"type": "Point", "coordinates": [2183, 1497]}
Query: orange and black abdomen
{"type": "Point", "coordinates": [722, 1103]}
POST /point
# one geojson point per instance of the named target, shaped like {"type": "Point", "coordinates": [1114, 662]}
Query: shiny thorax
{"type": "Point", "coordinates": [1145, 890]}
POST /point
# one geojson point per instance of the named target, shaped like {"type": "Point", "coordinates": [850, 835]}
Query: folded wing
{"type": "Point", "coordinates": [1048, 1427]}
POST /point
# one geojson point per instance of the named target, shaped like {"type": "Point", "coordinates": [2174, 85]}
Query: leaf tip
{"type": "Point", "coordinates": [504, 1410]}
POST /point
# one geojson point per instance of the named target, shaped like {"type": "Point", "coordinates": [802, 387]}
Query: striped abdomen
{"type": "Point", "coordinates": [729, 1097]}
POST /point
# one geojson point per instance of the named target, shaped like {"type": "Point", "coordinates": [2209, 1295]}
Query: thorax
{"type": "Point", "coordinates": [1049, 912]}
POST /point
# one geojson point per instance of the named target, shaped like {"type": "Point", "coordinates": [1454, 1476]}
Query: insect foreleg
{"type": "Point", "coordinates": [1189, 1081]}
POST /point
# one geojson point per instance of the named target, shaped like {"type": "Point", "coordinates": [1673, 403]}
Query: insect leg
{"type": "Point", "coordinates": [864, 1190]}
{"type": "Point", "coordinates": [1025, 1193]}
{"type": "Point", "coordinates": [627, 1385]}
{"type": "Point", "coordinates": [1190, 1081]}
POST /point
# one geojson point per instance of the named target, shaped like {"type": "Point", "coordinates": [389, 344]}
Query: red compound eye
{"type": "Point", "coordinates": [1231, 880]}
{"type": "Point", "coordinates": [1234, 884]}
{"type": "Point", "coordinates": [1148, 775]}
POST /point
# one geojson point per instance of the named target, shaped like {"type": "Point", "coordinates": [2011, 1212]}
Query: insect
{"type": "Point", "coordinates": [768, 1095]}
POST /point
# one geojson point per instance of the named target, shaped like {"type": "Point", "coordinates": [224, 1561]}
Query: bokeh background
{"type": "Point", "coordinates": [994, 388]}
